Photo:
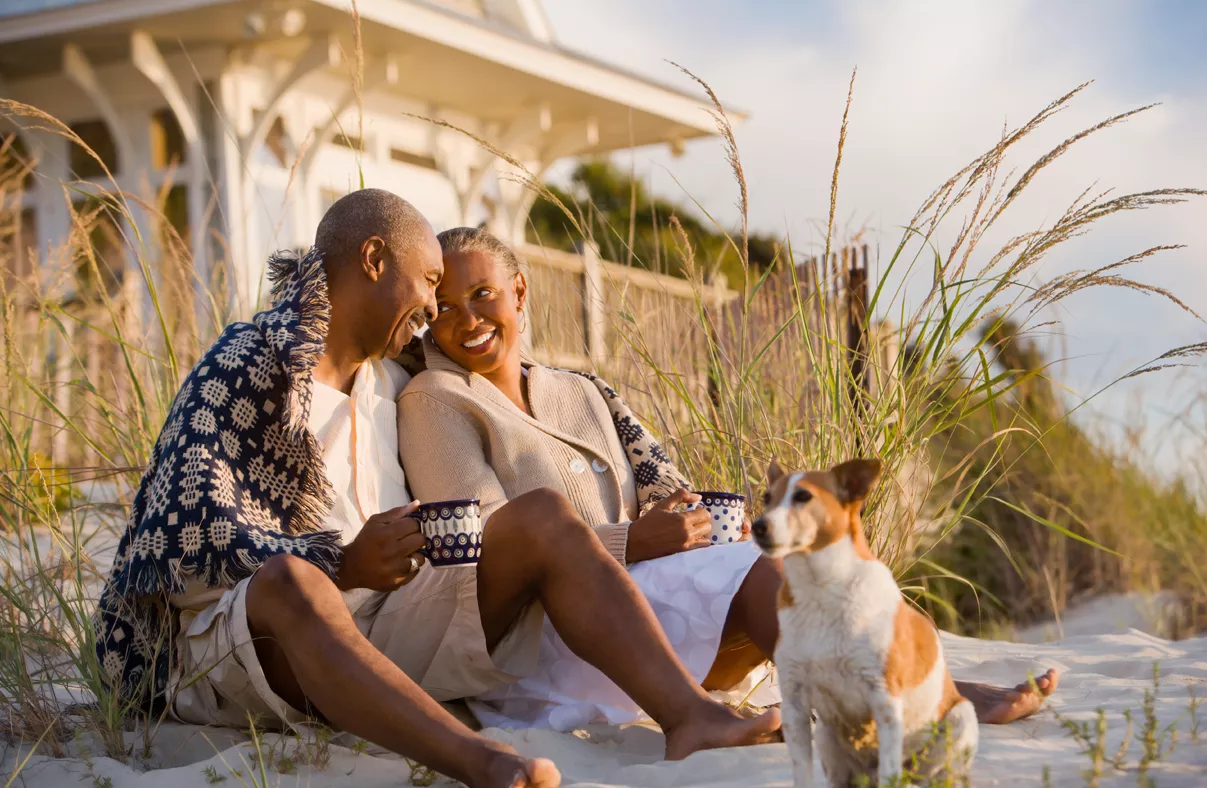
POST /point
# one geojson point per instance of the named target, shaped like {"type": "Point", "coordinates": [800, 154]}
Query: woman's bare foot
{"type": "Point", "coordinates": [719, 727]}
{"type": "Point", "coordinates": [508, 769]}
{"type": "Point", "coordinates": [998, 706]}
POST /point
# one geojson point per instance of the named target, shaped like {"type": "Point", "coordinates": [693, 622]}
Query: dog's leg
{"type": "Point", "coordinates": [890, 728]}
{"type": "Point", "coordinates": [798, 723]}
{"type": "Point", "coordinates": [843, 769]}
{"type": "Point", "coordinates": [951, 747]}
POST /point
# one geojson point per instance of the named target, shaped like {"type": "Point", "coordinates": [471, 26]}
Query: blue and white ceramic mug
{"type": "Point", "coordinates": [727, 511]}
{"type": "Point", "coordinates": [453, 530]}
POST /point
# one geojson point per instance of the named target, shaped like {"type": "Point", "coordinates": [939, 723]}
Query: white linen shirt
{"type": "Point", "coordinates": [361, 453]}
{"type": "Point", "coordinates": [359, 436]}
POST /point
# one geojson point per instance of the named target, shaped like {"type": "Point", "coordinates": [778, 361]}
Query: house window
{"type": "Point", "coordinates": [278, 149]}
{"type": "Point", "coordinates": [167, 140]}
{"type": "Point", "coordinates": [100, 254]}
{"type": "Point", "coordinates": [14, 159]}
{"type": "Point", "coordinates": [97, 139]}
{"type": "Point", "coordinates": [175, 230]}
{"type": "Point", "coordinates": [406, 157]}
{"type": "Point", "coordinates": [348, 141]}
{"type": "Point", "coordinates": [279, 144]}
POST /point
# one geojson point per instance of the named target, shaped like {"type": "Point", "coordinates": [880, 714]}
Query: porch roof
{"type": "Point", "coordinates": [448, 60]}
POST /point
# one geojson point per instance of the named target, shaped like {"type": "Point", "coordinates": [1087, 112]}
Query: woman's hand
{"type": "Point", "coordinates": [663, 531]}
{"type": "Point", "coordinates": [745, 537]}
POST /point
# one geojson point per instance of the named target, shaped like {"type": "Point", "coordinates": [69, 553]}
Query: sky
{"type": "Point", "coordinates": [937, 80]}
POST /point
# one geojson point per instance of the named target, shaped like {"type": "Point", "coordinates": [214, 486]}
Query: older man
{"type": "Point", "coordinates": [270, 564]}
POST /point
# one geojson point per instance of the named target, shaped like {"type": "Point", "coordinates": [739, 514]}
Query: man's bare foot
{"type": "Point", "coordinates": [508, 769]}
{"type": "Point", "coordinates": [719, 727]}
{"type": "Point", "coordinates": [998, 706]}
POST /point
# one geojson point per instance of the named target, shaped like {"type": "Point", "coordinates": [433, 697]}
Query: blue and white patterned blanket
{"type": "Point", "coordinates": [234, 479]}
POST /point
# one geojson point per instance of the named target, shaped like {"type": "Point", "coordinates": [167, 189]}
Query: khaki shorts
{"type": "Point", "coordinates": [430, 628]}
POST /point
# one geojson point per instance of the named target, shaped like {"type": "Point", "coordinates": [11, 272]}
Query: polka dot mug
{"type": "Point", "coordinates": [727, 510]}
{"type": "Point", "coordinates": [453, 530]}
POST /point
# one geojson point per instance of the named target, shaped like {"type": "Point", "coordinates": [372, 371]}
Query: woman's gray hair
{"type": "Point", "coordinates": [461, 240]}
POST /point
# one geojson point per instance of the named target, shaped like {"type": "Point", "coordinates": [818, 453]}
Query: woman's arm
{"type": "Point", "coordinates": [442, 454]}
{"type": "Point", "coordinates": [661, 529]}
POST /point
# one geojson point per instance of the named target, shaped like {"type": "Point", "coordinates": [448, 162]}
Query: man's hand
{"type": "Point", "coordinates": [380, 556]}
{"type": "Point", "coordinates": [663, 531]}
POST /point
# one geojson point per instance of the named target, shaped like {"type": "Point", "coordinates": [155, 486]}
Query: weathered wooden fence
{"type": "Point", "coordinates": [589, 313]}
{"type": "Point", "coordinates": [815, 313]}
{"type": "Point", "coordinates": [592, 314]}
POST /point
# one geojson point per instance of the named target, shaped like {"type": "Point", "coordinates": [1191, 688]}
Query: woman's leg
{"type": "Point", "coordinates": [752, 627]}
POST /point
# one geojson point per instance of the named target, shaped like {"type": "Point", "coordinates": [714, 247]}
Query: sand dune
{"type": "Point", "coordinates": [1101, 671]}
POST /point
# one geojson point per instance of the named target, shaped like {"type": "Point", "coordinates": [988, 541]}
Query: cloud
{"type": "Point", "coordinates": [937, 81]}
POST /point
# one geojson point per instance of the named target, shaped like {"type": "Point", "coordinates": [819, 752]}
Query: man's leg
{"type": "Point", "coordinates": [753, 620]}
{"type": "Point", "coordinates": [538, 548]}
{"type": "Point", "coordinates": [313, 655]}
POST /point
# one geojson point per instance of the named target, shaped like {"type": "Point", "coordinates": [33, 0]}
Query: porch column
{"type": "Point", "coordinates": [130, 139]}
{"type": "Point", "coordinates": [234, 208]}
{"type": "Point", "coordinates": [148, 60]}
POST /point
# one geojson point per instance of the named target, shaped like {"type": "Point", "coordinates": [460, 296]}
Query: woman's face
{"type": "Point", "coordinates": [478, 307]}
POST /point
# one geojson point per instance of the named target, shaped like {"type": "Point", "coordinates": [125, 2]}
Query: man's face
{"type": "Point", "coordinates": [403, 298]}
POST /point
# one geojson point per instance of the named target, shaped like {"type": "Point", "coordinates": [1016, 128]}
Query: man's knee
{"type": "Point", "coordinates": [283, 586]}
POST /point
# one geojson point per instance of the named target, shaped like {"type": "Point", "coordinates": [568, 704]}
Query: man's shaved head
{"type": "Point", "coordinates": [356, 217]}
{"type": "Point", "coordinates": [383, 263]}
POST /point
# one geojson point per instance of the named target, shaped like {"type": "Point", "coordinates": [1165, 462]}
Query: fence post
{"type": "Point", "coordinates": [857, 335]}
{"type": "Point", "coordinates": [595, 315]}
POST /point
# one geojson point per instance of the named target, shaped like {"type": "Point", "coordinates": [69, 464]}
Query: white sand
{"type": "Point", "coordinates": [1107, 671]}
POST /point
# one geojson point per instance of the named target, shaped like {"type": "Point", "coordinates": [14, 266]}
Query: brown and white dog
{"type": "Point", "coordinates": [851, 648]}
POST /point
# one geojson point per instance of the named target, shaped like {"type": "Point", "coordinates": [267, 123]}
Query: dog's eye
{"type": "Point", "coordinates": [766, 499]}
{"type": "Point", "coordinates": [802, 496]}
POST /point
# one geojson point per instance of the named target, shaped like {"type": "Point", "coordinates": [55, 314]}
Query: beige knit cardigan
{"type": "Point", "coordinates": [460, 437]}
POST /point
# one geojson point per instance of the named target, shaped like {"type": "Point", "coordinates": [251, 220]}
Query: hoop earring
{"type": "Point", "coordinates": [524, 316]}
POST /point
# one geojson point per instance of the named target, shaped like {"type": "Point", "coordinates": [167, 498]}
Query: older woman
{"type": "Point", "coordinates": [486, 421]}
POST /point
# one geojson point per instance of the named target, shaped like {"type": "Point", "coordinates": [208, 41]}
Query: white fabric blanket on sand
{"type": "Point", "coordinates": [1110, 672]}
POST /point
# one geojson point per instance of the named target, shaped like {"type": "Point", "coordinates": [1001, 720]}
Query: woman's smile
{"type": "Point", "coordinates": [481, 342]}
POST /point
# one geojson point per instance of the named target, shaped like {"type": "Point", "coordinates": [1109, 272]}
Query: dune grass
{"type": "Point", "coordinates": [954, 419]}
{"type": "Point", "coordinates": [997, 505]}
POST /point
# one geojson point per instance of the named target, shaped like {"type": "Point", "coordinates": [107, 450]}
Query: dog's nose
{"type": "Point", "coordinates": [759, 528]}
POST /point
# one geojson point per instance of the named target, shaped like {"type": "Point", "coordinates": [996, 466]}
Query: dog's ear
{"type": "Point", "coordinates": [855, 479]}
{"type": "Point", "coordinates": [774, 472]}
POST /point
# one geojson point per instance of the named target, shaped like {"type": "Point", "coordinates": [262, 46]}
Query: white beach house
{"type": "Point", "coordinates": [248, 117]}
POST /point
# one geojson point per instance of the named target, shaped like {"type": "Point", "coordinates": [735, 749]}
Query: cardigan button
{"type": "Point", "coordinates": [577, 465]}
{"type": "Point", "coordinates": [598, 466]}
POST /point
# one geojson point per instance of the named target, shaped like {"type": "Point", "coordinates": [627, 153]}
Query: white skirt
{"type": "Point", "coordinates": [690, 593]}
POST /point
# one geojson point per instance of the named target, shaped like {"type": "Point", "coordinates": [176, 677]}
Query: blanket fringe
{"type": "Point", "coordinates": [302, 281]}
